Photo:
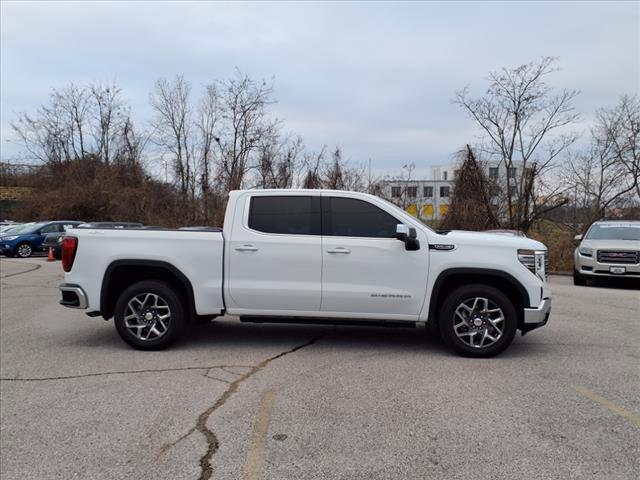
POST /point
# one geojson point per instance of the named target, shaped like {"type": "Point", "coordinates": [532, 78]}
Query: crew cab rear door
{"type": "Point", "coordinates": [366, 271]}
{"type": "Point", "coordinates": [274, 254]}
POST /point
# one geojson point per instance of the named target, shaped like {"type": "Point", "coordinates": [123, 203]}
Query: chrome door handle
{"type": "Point", "coordinates": [246, 248]}
{"type": "Point", "coordinates": [338, 250]}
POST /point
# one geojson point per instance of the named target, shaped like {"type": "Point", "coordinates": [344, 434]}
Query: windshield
{"type": "Point", "coordinates": [27, 228]}
{"type": "Point", "coordinates": [614, 231]}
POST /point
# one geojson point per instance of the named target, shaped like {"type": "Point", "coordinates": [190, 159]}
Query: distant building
{"type": "Point", "coordinates": [428, 199]}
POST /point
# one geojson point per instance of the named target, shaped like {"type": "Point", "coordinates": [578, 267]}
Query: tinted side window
{"type": "Point", "coordinates": [287, 214]}
{"type": "Point", "coordinates": [54, 227]}
{"type": "Point", "coordinates": [348, 217]}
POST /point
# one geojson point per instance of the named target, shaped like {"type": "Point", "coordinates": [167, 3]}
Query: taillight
{"type": "Point", "coordinates": [69, 247]}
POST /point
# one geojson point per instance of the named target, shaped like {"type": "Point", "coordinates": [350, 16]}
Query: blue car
{"type": "Point", "coordinates": [22, 241]}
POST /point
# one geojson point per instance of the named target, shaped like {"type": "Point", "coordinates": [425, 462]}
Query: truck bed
{"type": "Point", "coordinates": [197, 254]}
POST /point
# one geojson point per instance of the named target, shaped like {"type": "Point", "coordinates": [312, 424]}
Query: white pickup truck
{"type": "Point", "coordinates": [310, 256]}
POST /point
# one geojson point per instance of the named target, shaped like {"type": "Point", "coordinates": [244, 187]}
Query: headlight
{"type": "Point", "coordinates": [8, 239]}
{"type": "Point", "coordinates": [60, 239]}
{"type": "Point", "coordinates": [535, 261]}
{"type": "Point", "coordinates": [586, 251]}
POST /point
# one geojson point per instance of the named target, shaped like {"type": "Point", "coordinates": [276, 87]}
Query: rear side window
{"type": "Point", "coordinates": [348, 217]}
{"type": "Point", "coordinates": [293, 215]}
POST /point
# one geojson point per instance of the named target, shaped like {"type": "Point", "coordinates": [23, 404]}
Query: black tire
{"type": "Point", "coordinates": [579, 279]}
{"type": "Point", "coordinates": [23, 250]}
{"type": "Point", "coordinates": [448, 318]}
{"type": "Point", "coordinates": [168, 295]}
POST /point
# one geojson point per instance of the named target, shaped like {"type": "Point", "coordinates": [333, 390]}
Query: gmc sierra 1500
{"type": "Point", "coordinates": [300, 255]}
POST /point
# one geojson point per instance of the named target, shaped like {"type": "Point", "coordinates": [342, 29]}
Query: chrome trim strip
{"type": "Point", "coordinates": [83, 303]}
{"type": "Point", "coordinates": [540, 314]}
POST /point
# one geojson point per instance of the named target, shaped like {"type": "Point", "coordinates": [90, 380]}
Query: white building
{"type": "Point", "coordinates": [428, 199]}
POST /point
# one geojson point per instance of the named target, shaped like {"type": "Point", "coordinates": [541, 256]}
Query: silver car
{"type": "Point", "coordinates": [608, 249]}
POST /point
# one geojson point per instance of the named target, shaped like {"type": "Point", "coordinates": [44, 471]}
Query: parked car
{"type": "Point", "coordinates": [8, 225]}
{"type": "Point", "coordinates": [608, 249]}
{"type": "Point", "coordinates": [305, 255]}
{"type": "Point", "coordinates": [53, 241]}
{"type": "Point", "coordinates": [26, 239]}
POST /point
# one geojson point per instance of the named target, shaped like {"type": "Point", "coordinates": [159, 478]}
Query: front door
{"type": "Point", "coordinates": [275, 262]}
{"type": "Point", "coordinates": [366, 271]}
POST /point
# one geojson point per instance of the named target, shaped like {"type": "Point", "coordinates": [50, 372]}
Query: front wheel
{"type": "Point", "coordinates": [150, 315]}
{"type": "Point", "coordinates": [579, 279]}
{"type": "Point", "coordinates": [478, 321]}
{"type": "Point", "coordinates": [24, 250]}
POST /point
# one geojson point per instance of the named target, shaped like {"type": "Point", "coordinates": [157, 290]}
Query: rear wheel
{"type": "Point", "coordinates": [150, 315]}
{"type": "Point", "coordinates": [478, 321]}
{"type": "Point", "coordinates": [24, 250]}
{"type": "Point", "coordinates": [578, 279]}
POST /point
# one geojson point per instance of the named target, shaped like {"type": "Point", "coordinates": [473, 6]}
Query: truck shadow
{"type": "Point", "coordinates": [228, 334]}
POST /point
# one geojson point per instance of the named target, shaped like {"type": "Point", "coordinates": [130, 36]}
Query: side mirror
{"type": "Point", "coordinates": [577, 238]}
{"type": "Point", "coordinates": [402, 231]}
{"type": "Point", "coordinates": [409, 236]}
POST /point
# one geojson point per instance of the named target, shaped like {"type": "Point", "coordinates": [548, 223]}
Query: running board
{"type": "Point", "coordinates": [330, 321]}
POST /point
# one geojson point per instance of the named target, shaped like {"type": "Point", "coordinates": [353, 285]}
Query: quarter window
{"type": "Point", "coordinates": [348, 217]}
{"type": "Point", "coordinates": [293, 215]}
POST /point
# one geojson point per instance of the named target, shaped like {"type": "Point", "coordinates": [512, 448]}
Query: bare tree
{"type": "Point", "coordinates": [312, 164]}
{"type": "Point", "coordinates": [607, 174]}
{"type": "Point", "coordinates": [171, 102]}
{"type": "Point", "coordinates": [401, 182]}
{"type": "Point", "coordinates": [77, 123]}
{"type": "Point", "coordinates": [525, 123]}
{"type": "Point", "coordinates": [207, 126]}
{"type": "Point", "coordinates": [333, 176]}
{"type": "Point", "coordinates": [279, 160]}
{"type": "Point", "coordinates": [244, 103]}
{"type": "Point", "coordinates": [110, 119]}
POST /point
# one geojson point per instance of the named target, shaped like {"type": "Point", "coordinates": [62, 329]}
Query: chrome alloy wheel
{"type": "Point", "coordinates": [478, 322]}
{"type": "Point", "coordinates": [147, 316]}
{"type": "Point", "coordinates": [24, 250]}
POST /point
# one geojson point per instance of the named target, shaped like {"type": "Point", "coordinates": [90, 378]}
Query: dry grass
{"type": "Point", "coordinates": [559, 240]}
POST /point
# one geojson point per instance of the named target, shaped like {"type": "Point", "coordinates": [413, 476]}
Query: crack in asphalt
{"type": "Point", "coordinates": [206, 470]}
{"type": "Point", "coordinates": [122, 372]}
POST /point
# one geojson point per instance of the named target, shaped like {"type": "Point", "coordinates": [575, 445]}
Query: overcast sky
{"type": "Point", "coordinates": [375, 78]}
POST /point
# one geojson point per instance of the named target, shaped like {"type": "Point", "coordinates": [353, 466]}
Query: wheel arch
{"type": "Point", "coordinates": [452, 278]}
{"type": "Point", "coordinates": [121, 274]}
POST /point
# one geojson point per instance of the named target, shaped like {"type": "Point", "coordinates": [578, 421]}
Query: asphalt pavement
{"type": "Point", "coordinates": [273, 401]}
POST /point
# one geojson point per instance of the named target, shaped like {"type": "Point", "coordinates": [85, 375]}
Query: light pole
{"type": "Point", "coordinates": [164, 163]}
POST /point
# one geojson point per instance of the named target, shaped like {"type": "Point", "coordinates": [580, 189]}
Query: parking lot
{"type": "Point", "coordinates": [251, 401]}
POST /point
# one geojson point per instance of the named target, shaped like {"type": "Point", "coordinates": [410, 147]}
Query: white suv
{"type": "Point", "coordinates": [608, 249]}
